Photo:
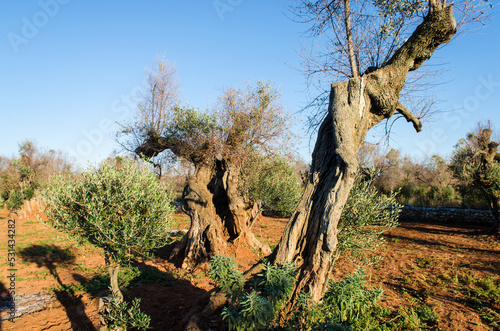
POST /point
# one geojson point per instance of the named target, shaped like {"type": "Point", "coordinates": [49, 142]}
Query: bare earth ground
{"type": "Point", "coordinates": [422, 264]}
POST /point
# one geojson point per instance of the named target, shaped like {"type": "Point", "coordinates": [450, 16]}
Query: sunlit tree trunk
{"type": "Point", "coordinates": [219, 214]}
{"type": "Point", "coordinates": [355, 106]}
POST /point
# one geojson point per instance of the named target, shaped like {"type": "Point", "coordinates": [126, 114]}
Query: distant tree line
{"type": "Point", "coordinates": [435, 181]}
{"type": "Point", "coordinates": [21, 175]}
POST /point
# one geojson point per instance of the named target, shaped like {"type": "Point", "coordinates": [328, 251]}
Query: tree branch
{"type": "Point", "coordinates": [437, 28]}
{"type": "Point", "coordinates": [408, 115]}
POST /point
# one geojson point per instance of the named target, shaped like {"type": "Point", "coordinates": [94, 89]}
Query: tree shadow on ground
{"type": "Point", "coordinates": [439, 243]}
{"type": "Point", "coordinates": [51, 257]}
{"type": "Point", "coordinates": [6, 303]}
{"type": "Point", "coordinates": [420, 294]}
{"type": "Point", "coordinates": [165, 252]}
{"type": "Point", "coordinates": [450, 229]}
{"type": "Point", "coordinates": [165, 296]}
{"type": "Point", "coordinates": [442, 232]}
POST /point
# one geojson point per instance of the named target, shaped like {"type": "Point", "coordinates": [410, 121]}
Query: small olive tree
{"type": "Point", "coordinates": [119, 207]}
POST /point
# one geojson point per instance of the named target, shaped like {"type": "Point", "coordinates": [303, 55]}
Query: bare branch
{"type": "Point", "coordinates": [409, 117]}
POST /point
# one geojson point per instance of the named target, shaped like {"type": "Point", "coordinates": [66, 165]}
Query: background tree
{"type": "Point", "coordinates": [22, 175]}
{"type": "Point", "coordinates": [368, 96]}
{"type": "Point", "coordinates": [429, 182]}
{"type": "Point", "coordinates": [161, 93]}
{"type": "Point", "coordinates": [120, 207]}
{"type": "Point", "coordinates": [475, 161]}
{"type": "Point", "coordinates": [218, 143]}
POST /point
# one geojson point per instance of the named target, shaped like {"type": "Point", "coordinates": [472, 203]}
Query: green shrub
{"type": "Point", "coordinates": [121, 316]}
{"type": "Point", "coordinates": [427, 315]}
{"type": "Point", "coordinates": [266, 295]}
{"type": "Point", "coordinates": [348, 304]}
{"type": "Point", "coordinates": [122, 208]}
{"type": "Point", "coordinates": [348, 298]}
{"type": "Point", "coordinates": [225, 275]}
{"type": "Point", "coordinates": [251, 313]}
{"type": "Point", "coordinates": [366, 215]}
{"type": "Point", "coordinates": [15, 200]}
{"type": "Point", "coordinates": [272, 181]}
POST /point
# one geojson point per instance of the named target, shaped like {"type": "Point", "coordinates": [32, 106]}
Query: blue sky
{"type": "Point", "coordinates": [69, 69]}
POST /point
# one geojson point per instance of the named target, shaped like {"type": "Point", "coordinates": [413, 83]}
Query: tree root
{"type": "Point", "coordinates": [210, 302]}
{"type": "Point", "coordinates": [204, 307]}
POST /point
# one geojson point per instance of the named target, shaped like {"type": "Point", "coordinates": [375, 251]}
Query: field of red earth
{"type": "Point", "coordinates": [445, 268]}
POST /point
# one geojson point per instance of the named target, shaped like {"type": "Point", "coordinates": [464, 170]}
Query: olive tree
{"type": "Point", "coordinates": [476, 162]}
{"type": "Point", "coordinates": [369, 93]}
{"type": "Point", "coordinates": [218, 142]}
{"type": "Point", "coordinates": [120, 207]}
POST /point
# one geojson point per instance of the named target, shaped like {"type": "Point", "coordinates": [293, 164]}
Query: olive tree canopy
{"type": "Point", "coordinates": [218, 142]}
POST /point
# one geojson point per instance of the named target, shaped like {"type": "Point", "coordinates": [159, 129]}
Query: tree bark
{"type": "Point", "coordinates": [219, 214]}
{"type": "Point", "coordinates": [205, 237]}
{"type": "Point", "coordinates": [350, 43]}
{"type": "Point", "coordinates": [355, 106]}
{"type": "Point", "coordinates": [113, 270]}
{"type": "Point", "coordinates": [310, 237]}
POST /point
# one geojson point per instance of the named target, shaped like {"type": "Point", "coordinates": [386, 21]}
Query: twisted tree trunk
{"type": "Point", "coordinates": [355, 106]}
{"type": "Point", "coordinates": [219, 214]}
{"type": "Point", "coordinates": [206, 233]}
{"type": "Point", "coordinates": [310, 237]}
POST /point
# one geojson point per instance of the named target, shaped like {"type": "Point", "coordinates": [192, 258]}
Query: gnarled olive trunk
{"type": "Point", "coordinates": [219, 214]}
{"type": "Point", "coordinates": [310, 237]}
{"type": "Point", "coordinates": [113, 270]}
{"type": "Point", "coordinates": [355, 106]}
{"type": "Point", "coordinates": [206, 235]}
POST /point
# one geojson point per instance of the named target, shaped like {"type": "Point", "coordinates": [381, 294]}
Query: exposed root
{"type": "Point", "coordinates": [211, 302]}
{"type": "Point", "coordinates": [204, 307]}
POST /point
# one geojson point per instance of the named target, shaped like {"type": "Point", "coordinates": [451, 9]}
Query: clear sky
{"type": "Point", "coordinates": [69, 69]}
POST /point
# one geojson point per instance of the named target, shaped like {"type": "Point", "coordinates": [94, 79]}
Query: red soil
{"type": "Point", "coordinates": [416, 262]}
